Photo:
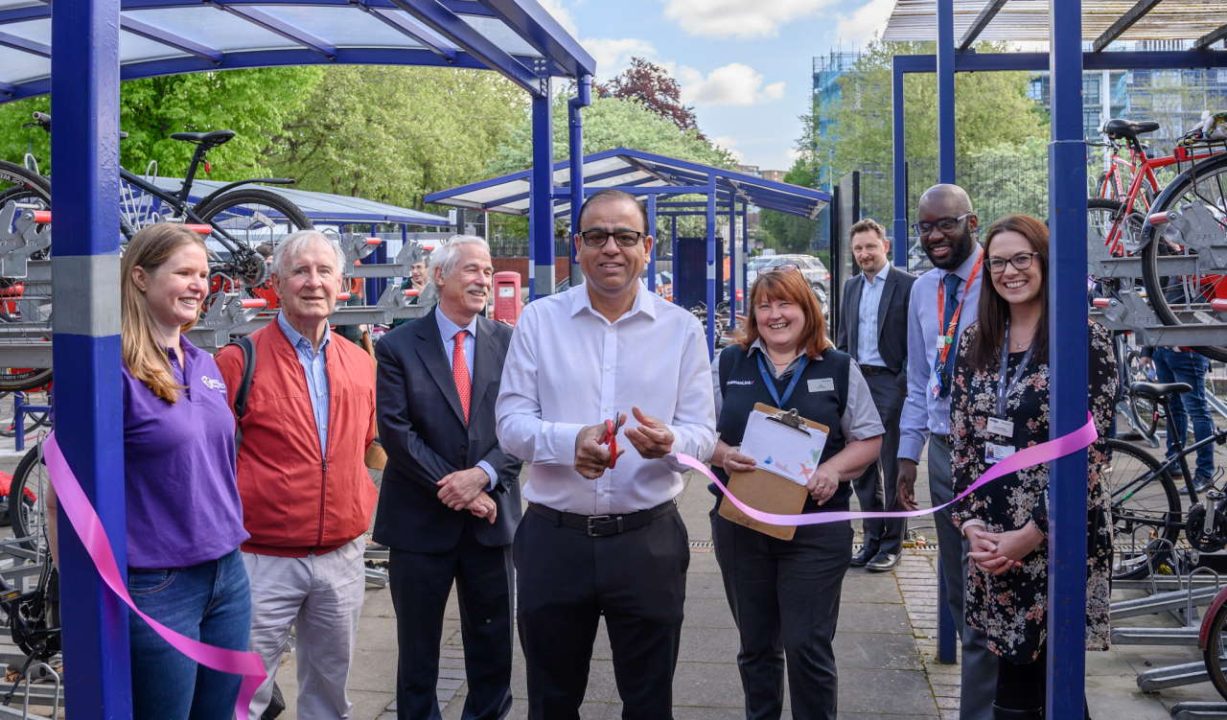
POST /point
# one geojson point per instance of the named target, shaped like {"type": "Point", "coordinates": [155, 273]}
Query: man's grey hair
{"type": "Point", "coordinates": [446, 255]}
{"type": "Point", "coordinates": [294, 243]}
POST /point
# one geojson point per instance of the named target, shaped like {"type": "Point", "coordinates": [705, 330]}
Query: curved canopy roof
{"type": "Point", "coordinates": [161, 37]}
{"type": "Point", "coordinates": [1201, 22]}
{"type": "Point", "coordinates": [636, 172]}
{"type": "Point", "coordinates": [321, 207]}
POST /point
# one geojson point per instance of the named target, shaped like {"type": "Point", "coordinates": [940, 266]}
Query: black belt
{"type": "Point", "coordinates": [876, 370]}
{"type": "Point", "coordinates": [603, 525]}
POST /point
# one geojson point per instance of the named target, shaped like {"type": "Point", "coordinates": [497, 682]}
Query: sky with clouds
{"type": "Point", "coordinates": [745, 65]}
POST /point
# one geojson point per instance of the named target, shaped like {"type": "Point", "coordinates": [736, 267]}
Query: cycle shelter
{"type": "Point", "coordinates": [1066, 26]}
{"type": "Point", "coordinates": [654, 178]}
{"type": "Point", "coordinates": [79, 52]}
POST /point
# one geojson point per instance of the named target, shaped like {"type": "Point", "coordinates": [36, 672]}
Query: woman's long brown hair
{"type": "Point", "coordinates": [985, 351]}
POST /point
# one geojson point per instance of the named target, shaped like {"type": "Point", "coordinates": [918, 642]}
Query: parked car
{"type": "Point", "coordinates": [811, 267]}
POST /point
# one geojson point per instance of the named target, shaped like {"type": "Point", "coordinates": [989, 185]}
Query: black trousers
{"type": "Point", "coordinates": [1024, 687]}
{"type": "Point", "coordinates": [420, 584]}
{"type": "Point", "coordinates": [567, 581]}
{"type": "Point", "coordinates": [785, 600]}
{"type": "Point", "coordinates": [875, 488]}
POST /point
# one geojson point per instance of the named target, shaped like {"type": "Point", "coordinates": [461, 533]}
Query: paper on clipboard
{"type": "Point", "coordinates": [790, 452]}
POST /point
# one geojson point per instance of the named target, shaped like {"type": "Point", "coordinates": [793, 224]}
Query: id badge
{"type": "Point", "coordinates": [943, 341]}
{"type": "Point", "coordinates": [994, 453]}
{"type": "Point", "coordinates": [1001, 426]}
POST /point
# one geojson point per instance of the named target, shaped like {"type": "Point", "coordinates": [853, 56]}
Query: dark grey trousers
{"type": "Point", "coordinates": [875, 489]}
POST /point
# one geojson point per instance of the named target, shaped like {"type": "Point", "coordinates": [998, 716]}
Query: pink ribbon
{"type": "Point", "coordinates": [1035, 455]}
{"type": "Point", "coordinates": [85, 522]}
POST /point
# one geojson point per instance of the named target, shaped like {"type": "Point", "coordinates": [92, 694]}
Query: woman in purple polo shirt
{"type": "Point", "coordinates": [185, 522]}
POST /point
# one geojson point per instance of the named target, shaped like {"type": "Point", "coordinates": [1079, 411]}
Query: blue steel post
{"type": "Point", "coordinates": [1068, 361]}
{"type": "Point", "coordinates": [541, 202]}
{"type": "Point", "coordinates": [899, 165]}
{"type": "Point", "coordinates": [673, 253]}
{"type": "Point", "coordinates": [945, 91]}
{"type": "Point", "coordinates": [651, 207]}
{"type": "Point", "coordinates": [745, 254]}
{"type": "Point", "coordinates": [732, 245]}
{"type": "Point", "coordinates": [575, 137]}
{"type": "Point", "coordinates": [711, 265]}
{"type": "Point", "coordinates": [86, 348]}
{"type": "Point", "coordinates": [945, 173]}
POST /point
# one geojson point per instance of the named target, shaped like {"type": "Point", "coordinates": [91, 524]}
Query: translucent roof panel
{"type": "Point", "coordinates": [516, 38]}
{"type": "Point", "coordinates": [1200, 22]}
{"type": "Point", "coordinates": [632, 169]}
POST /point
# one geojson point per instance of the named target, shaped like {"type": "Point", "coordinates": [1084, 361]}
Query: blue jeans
{"type": "Point", "coordinates": [1187, 367]}
{"type": "Point", "coordinates": [210, 602]}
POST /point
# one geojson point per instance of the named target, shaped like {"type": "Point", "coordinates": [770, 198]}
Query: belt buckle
{"type": "Point", "coordinates": [597, 522]}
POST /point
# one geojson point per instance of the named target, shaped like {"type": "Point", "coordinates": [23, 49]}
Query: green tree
{"type": "Point", "coordinates": [394, 134]}
{"type": "Point", "coordinates": [253, 103]}
{"type": "Point", "coordinates": [785, 232]}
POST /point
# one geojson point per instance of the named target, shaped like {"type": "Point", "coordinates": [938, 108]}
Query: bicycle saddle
{"type": "Point", "coordinates": [1154, 391]}
{"type": "Point", "coordinates": [208, 139]}
{"type": "Point", "coordinates": [1117, 128]}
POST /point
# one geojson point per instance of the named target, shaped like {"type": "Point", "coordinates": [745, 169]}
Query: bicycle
{"type": "Point", "coordinates": [1146, 506]}
{"type": "Point", "coordinates": [1140, 413]}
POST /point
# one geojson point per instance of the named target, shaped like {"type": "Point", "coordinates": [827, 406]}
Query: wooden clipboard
{"type": "Point", "coordinates": [766, 491]}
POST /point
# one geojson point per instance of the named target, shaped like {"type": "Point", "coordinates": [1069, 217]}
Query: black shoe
{"type": "Point", "coordinates": [862, 558]}
{"type": "Point", "coordinates": [883, 562]}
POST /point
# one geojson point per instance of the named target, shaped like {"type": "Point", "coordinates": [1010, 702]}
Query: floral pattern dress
{"type": "Point", "coordinates": [1011, 609]}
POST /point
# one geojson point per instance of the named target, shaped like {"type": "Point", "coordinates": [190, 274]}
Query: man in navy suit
{"type": "Point", "coordinates": [450, 498]}
{"type": "Point", "coordinates": [873, 330]}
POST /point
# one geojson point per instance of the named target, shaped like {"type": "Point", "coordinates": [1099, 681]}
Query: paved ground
{"type": "Point", "coordinates": [885, 648]}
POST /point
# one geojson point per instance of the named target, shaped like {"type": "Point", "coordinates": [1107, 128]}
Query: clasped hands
{"type": "Point", "coordinates": [462, 490]}
{"type": "Point", "coordinates": [651, 438]}
{"type": "Point", "coordinates": [822, 484]}
{"type": "Point", "coordinates": [998, 552]}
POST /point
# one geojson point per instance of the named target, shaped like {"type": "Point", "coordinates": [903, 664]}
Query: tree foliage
{"type": "Point", "coordinates": [651, 85]}
{"type": "Point", "coordinates": [788, 233]}
{"type": "Point", "coordinates": [253, 103]}
{"type": "Point", "coordinates": [394, 134]}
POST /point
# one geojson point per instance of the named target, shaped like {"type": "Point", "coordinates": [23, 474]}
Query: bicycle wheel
{"type": "Point", "coordinates": [1203, 184]}
{"type": "Point", "coordinates": [1215, 653]}
{"type": "Point", "coordinates": [30, 420]}
{"type": "Point", "coordinates": [248, 217]}
{"type": "Point", "coordinates": [1145, 511]}
{"type": "Point", "coordinates": [28, 501]}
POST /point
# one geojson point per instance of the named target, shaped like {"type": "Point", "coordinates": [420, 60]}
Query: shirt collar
{"type": "Point", "coordinates": [964, 271]}
{"type": "Point", "coordinates": [762, 348]}
{"type": "Point", "coordinates": [296, 338]}
{"type": "Point", "coordinates": [880, 276]}
{"type": "Point", "coordinates": [448, 329]}
{"type": "Point", "coordinates": [644, 302]}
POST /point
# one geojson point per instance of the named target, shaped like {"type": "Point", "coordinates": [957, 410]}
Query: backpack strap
{"type": "Point", "coordinates": [248, 348]}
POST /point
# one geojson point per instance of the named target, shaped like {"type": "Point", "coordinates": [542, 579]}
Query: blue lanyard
{"type": "Point", "coordinates": [1004, 387]}
{"type": "Point", "coordinates": [769, 380]}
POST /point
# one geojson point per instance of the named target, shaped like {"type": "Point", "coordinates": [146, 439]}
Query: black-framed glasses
{"type": "Point", "coordinates": [1021, 261]}
{"type": "Point", "coordinates": [624, 238]}
{"type": "Point", "coordinates": [946, 224]}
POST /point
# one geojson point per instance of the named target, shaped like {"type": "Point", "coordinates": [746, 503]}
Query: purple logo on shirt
{"type": "Point", "coordinates": [212, 383]}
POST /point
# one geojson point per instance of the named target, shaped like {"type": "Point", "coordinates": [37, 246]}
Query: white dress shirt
{"type": "Point", "coordinates": [569, 367]}
{"type": "Point", "coordinates": [867, 322]}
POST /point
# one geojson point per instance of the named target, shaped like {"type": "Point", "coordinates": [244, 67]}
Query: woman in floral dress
{"type": "Point", "coordinates": [993, 414]}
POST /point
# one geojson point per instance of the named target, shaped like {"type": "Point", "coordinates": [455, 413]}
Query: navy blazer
{"type": "Point", "coordinates": [892, 318]}
{"type": "Point", "coordinates": [422, 428]}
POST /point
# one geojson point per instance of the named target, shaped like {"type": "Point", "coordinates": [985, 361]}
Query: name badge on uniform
{"type": "Point", "coordinates": [1001, 426]}
{"type": "Point", "coordinates": [994, 453]}
{"type": "Point", "coordinates": [821, 385]}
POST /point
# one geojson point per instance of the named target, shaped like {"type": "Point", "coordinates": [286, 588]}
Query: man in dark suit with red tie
{"type": "Point", "coordinates": [873, 330]}
{"type": "Point", "coordinates": [450, 498]}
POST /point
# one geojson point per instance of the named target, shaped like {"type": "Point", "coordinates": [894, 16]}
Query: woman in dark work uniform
{"type": "Point", "coordinates": [784, 594]}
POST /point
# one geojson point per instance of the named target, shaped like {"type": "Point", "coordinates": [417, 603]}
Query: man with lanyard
{"type": "Point", "coordinates": [943, 302]}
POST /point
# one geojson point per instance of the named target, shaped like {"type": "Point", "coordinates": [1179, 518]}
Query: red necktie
{"type": "Point", "coordinates": [460, 373]}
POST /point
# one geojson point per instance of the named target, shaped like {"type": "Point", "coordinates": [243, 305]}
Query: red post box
{"type": "Point", "coordinates": [507, 296]}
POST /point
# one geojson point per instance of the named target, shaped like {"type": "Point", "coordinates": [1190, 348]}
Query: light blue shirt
{"type": "Point", "coordinates": [867, 322]}
{"type": "Point", "coordinates": [447, 334]}
{"type": "Point", "coordinates": [923, 411]}
{"type": "Point", "coordinates": [316, 373]}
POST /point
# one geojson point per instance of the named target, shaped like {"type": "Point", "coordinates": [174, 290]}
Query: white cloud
{"type": "Point", "coordinates": [729, 143]}
{"type": "Point", "coordinates": [865, 23]}
{"type": "Point", "coordinates": [612, 55]}
{"type": "Point", "coordinates": [562, 15]}
{"type": "Point", "coordinates": [732, 84]}
{"type": "Point", "coordinates": [739, 18]}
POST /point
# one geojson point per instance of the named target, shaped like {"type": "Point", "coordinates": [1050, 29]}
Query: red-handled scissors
{"type": "Point", "coordinates": [610, 438]}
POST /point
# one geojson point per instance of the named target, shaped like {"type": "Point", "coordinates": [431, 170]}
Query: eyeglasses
{"type": "Point", "coordinates": [946, 224]}
{"type": "Point", "coordinates": [1021, 261]}
{"type": "Point", "coordinates": [624, 238]}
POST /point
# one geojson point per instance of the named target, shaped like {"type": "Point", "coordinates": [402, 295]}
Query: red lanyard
{"type": "Point", "coordinates": [948, 336]}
